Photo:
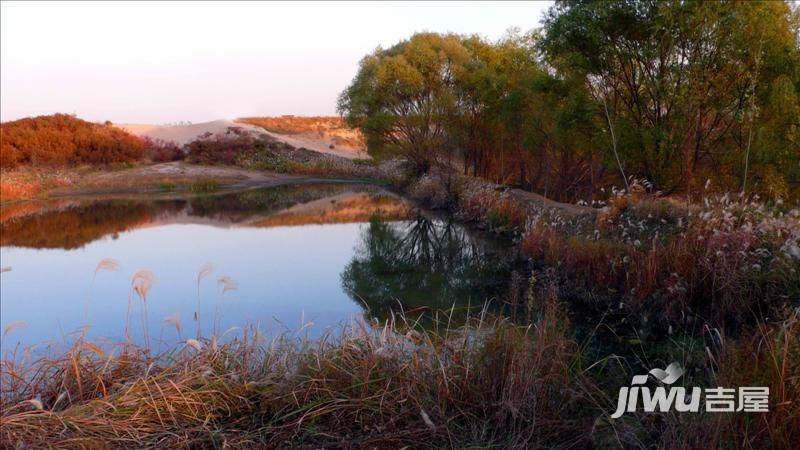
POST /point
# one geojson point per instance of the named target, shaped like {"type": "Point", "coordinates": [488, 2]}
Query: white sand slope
{"type": "Point", "coordinates": [183, 134]}
{"type": "Point", "coordinates": [316, 144]}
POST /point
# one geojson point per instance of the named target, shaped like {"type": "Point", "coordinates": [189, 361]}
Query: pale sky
{"type": "Point", "coordinates": [167, 62]}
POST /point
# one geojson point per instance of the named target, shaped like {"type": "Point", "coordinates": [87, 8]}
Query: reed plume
{"type": "Point", "coordinates": [175, 321]}
{"type": "Point", "coordinates": [13, 326]}
{"type": "Point", "coordinates": [109, 264]}
{"type": "Point", "coordinates": [140, 284]}
{"type": "Point", "coordinates": [204, 271]}
{"type": "Point", "coordinates": [195, 344]}
{"type": "Point", "coordinates": [226, 284]}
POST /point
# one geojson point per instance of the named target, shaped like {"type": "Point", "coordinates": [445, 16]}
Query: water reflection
{"type": "Point", "coordinates": [71, 224]}
{"type": "Point", "coordinates": [425, 264]}
{"type": "Point", "coordinates": [323, 253]}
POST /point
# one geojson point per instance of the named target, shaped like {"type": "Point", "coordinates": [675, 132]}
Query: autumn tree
{"type": "Point", "coordinates": [682, 81]}
{"type": "Point", "coordinates": [675, 92]}
{"type": "Point", "coordinates": [402, 95]}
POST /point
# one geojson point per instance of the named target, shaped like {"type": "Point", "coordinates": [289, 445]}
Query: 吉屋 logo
{"type": "Point", "coordinates": [665, 397]}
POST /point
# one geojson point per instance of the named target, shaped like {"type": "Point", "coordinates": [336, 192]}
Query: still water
{"type": "Point", "coordinates": [282, 258]}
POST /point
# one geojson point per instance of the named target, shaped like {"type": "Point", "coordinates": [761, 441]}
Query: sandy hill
{"type": "Point", "coordinates": [325, 135]}
{"type": "Point", "coordinates": [322, 134]}
{"type": "Point", "coordinates": [183, 134]}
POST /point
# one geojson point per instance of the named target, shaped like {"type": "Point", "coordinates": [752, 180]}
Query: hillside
{"type": "Point", "coordinates": [326, 135]}
{"type": "Point", "coordinates": [321, 134]}
{"type": "Point", "coordinates": [183, 134]}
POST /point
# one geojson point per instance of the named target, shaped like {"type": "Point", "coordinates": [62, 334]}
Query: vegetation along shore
{"type": "Point", "coordinates": [638, 161]}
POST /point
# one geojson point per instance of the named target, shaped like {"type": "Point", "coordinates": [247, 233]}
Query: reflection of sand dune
{"type": "Point", "coordinates": [73, 223]}
{"type": "Point", "coordinates": [343, 208]}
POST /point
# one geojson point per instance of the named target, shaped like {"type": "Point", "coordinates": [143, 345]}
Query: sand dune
{"type": "Point", "coordinates": [317, 144]}
{"type": "Point", "coordinates": [183, 134]}
{"type": "Point", "coordinates": [324, 134]}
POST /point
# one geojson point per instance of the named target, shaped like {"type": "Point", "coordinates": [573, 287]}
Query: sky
{"type": "Point", "coordinates": [169, 62]}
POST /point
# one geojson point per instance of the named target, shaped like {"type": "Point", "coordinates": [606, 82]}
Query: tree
{"type": "Point", "coordinates": [682, 79]}
{"type": "Point", "coordinates": [401, 95]}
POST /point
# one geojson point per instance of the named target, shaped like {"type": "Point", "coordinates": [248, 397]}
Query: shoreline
{"type": "Point", "coordinates": [174, 177]}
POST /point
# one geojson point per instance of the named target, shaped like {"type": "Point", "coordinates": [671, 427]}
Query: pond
{"type": "Point", "coordinates": [303, 257]}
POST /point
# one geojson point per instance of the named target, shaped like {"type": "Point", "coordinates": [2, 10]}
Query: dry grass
{"type": "Point", "coordinates": [767, 355]}
{"type": "Point", "coordinates": [487, 383]}
{"type": "Point", "coordinates": [27, 182]}
{"type": "Point", "coordinates": [726, 258]}
{"type": "Point", "coordinates": [484, 204]}
{"type": "Point", "coordinates": [490, 383]}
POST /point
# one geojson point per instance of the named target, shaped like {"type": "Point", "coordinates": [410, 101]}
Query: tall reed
{"type": "Point", "coordinates": [226, 284]}
{"type": "Point", "coordinates": [488, 383]}
{"type": "Point", "coordinates": [140, 284]}
{"type": "Point", "coordinates": [108, 264]}
{"type": "Point", "coordinates": [204, 271]}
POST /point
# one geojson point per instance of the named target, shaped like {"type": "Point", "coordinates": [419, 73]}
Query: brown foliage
{"type": "Point", "coordinates": [61, 140]}
{"type": "Point", "coordinates": [158, 150]}
{"type": "Point", "coordinates": [222, 149]}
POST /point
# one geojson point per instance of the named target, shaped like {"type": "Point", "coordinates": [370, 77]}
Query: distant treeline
{"type": "Point", "coordinates": [676, 92]}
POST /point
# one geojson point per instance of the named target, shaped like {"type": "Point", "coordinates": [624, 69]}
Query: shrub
{"type": "Point", "coordinates": [157, 150]}
{"type": "Point", "coordinates": [221, 149]}
{"type": "Point", "coordinates": [726, 258]}
{"type": "Point", "coordinates": [61, 140]}
{"type": "Point", "coordinates": [240, 148]}
{"type": "Point", "coordinates": [491, 206]}
{"type": "Point", "coordinates": [431, 190]}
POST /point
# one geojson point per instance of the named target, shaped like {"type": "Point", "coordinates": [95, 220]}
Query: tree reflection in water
{"type": "Point", "coordinates": [425, 265]}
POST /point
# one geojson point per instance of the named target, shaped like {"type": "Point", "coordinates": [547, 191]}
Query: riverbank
{"type": "Point", "coordinates": [364, 387]}
{"type": "Point", "coordinates": [719, 261]}
{"type": "Point", "coordinates": [490, 383]}
{"type": "Point", "coordinates": [202, 156]}
{"type": "Point", "coordinates": [29, 184]}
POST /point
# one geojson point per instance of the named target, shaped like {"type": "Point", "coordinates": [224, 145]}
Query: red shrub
{"type": "Point", "coordinates": [157, 150]}
{"type": "Point", "coordinates": [221, 149]}
{"type": "Point", "coordinates": [61, 139]}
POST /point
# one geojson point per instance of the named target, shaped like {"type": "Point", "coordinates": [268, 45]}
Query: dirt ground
{"type": "Point", "coordinates": [173, 175]}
